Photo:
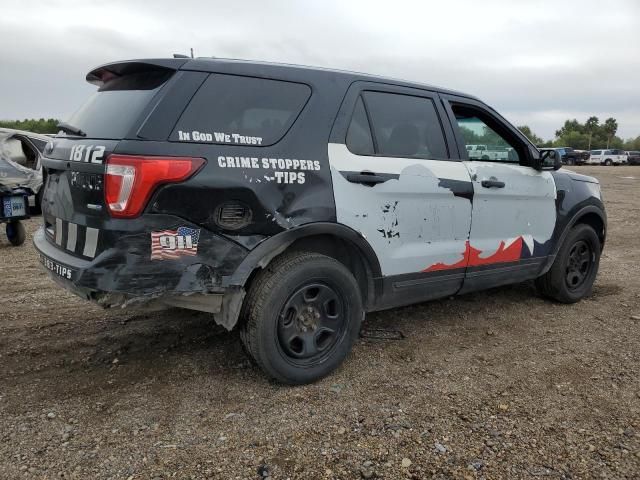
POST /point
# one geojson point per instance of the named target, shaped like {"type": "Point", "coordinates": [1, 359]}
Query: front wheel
{"type": "Point", "coordinates": [608, 162]}
{"type": "Point", "coordinates": [16, 233]}
{"type": "Point", "coordinates": [575, 268]}
{"type": "Point", "coordinates": [301, 317]}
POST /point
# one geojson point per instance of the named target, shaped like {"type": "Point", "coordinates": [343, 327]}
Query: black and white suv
{"type": "Point", "coordinates": [289, 201]}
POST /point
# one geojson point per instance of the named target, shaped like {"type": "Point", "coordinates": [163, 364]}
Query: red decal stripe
{"type": "Point", "coordinates": [471, 257]}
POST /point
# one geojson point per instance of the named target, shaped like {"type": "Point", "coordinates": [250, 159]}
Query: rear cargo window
{"type": "Point", "coordinates": [112, 111]}
{"type": "Point", "coordinates": [238, 110]}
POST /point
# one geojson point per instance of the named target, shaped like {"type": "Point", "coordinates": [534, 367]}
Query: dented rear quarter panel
{"type": "Point", "coordinates": [276, 206]}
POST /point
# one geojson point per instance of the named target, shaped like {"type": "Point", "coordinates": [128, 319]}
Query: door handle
{"type": "Point", "coordinates": [492, 184]}
{"type": "Point", "coordinates": [366, 178]}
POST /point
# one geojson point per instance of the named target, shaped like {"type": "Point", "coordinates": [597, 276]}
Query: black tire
{"type": "Point", "coordinates": [570, 161]}
{"type": "Point", "coordinates": [16, 233]}
{"type": "Point", "coordinates": [283, 343]}
{"type": "Point", "coordinates": [573, 272]}
{"type": "Point", "coordinates": [608, 162]}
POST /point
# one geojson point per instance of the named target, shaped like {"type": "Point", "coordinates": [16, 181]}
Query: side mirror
{"type": "Point", "coordinates": [548, 160]}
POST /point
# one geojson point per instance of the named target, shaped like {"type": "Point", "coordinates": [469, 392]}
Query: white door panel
{"type": "Point", "coordinates": [413, 221]}
{"type": "Point", "coordinates": [514, 221]}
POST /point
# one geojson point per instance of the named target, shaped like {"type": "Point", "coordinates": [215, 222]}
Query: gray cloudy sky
{"type": "Point", "coordinates": [537, 61]}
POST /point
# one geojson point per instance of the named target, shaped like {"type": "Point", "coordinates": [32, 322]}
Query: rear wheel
{"type": "Point", "coordinates": [575, 268]}
{"type": "Point", "coordinates": [16, 233]}
{"type": "Point", "coordinates": [608, 162]}
{"type": "Point", "coordinates": [301, 317]}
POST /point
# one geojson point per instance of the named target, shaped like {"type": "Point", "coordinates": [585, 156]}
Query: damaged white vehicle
{"type": "Point", "coordinates": [20, 162]}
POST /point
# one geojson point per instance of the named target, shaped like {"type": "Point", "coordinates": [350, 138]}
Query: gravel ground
{"type": "Point", "coordinates": [497, 384]}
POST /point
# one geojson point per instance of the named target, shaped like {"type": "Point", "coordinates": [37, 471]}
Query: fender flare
{"type": "Point", "coordinates": [267, 250]}
{"type": "Point", "coordinates": [570, 224]}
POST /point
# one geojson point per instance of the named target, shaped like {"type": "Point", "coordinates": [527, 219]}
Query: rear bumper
{"type": "Point", "coordinates": [122, 276]}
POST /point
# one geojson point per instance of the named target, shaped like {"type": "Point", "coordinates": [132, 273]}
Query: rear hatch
{"type": "Point", "coordinates": [74, 207]}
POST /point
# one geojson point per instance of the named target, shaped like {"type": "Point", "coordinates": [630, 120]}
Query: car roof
{"type": "Point", "coordinates": [239, 66]}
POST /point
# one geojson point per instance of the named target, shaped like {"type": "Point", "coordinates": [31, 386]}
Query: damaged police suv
{"type": "Point", "coordinates": [288, 201]}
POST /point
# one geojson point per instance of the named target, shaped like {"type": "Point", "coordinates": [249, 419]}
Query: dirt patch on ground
{"type": "Point", "coordinates": [498, 384]}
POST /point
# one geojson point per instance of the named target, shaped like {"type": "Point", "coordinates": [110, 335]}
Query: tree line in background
{"type": "Point", "coordinates": [43, 125]}
{"type": "Point", "coordinates": [582, 136]}
{"type": "Point", "coordinates": [589, 135]}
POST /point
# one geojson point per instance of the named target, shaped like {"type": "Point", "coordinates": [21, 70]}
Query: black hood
{"type": "Point", "coordinates": [579, 177]}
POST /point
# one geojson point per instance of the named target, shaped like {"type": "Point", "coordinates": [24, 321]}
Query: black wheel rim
{"type": "Point", "coordinates": [579, 265]}
{"type": "Point", "coordinates": [311, 323]}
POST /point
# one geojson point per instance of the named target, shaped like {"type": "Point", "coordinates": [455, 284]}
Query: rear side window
{"type": "Point", "coordinates": [359, 140]}
{"type": "Point", "coordinates": [112, 111]}
{"type": "Point", "coordinates": [405, 126]}
{"type": "Point", "coordinates": [240, 110]}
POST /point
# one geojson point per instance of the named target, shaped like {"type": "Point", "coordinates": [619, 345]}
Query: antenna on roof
{"type": "Point", "coordinates": [191, 52]}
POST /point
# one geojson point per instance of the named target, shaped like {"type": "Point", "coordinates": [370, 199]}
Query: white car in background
{"type": "Point", "coordinates": [608, 157]}
{"type": "Point", "coordinates": [483, 152]}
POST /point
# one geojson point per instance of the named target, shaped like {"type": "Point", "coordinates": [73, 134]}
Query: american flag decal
{"type": "Point", "coordinates": [171, 244]}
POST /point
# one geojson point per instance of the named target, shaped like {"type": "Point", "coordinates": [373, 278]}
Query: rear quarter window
{"type": "Point", "coordinates": [237, 110]}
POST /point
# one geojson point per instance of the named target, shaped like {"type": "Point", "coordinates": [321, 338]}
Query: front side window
{"type": "Point", "coordinates": [477, 132]}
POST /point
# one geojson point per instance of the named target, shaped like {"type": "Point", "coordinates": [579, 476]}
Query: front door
{"type": "Point", "coordinates": [514, 211]}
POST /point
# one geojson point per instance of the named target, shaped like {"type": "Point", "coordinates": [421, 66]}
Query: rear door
{"type": "Point", "coordinates": [397, 181]}
{"type": "Point", "coordinates": [514, 212]}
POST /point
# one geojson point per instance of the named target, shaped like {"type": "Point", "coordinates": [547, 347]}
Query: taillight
{"type": "Point", "coordinates": [131, 179]}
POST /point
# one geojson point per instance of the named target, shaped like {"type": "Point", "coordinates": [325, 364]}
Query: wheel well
{"type": "Point", "coordinates": [594, 221]}
{"type": "Point", "coordinates": [346, 252]}
{"type": "Point", "coordinates": [343, 250]}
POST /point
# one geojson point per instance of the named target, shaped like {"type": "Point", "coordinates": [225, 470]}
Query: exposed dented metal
{"type": "Point", "coordinates": [16, 168]}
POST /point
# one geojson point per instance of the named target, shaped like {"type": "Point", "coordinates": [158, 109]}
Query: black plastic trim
{"type": "Point", "coordinates": [273, 246]}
